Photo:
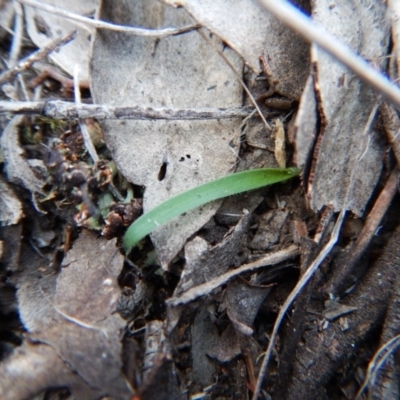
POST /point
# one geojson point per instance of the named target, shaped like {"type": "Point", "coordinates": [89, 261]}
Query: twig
{"type": "Point", "coordinates": [304, 26]}
{"type": "Point", "coordinates": [205, 288]}
{"type": "Point", "coordinates": [377, 361]}
{"type": "Point", "coordinates": [62, 109]}
{"type": "Point", "coordinates": [85, 133]}
{"type": "Point", "coordinates": [17, 37]}
{"type": "Point", "coordinates": [252, 99]}
{"type": "Point", "coordinates": [36, 56]}
{"type": "Point", "coordinates": [293, 294]}
{"type": "Point", "coordinates": [106, 25]}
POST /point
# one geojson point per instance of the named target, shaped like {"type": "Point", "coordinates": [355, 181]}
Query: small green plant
{"type": "Point", "coordinates": [196, 197]}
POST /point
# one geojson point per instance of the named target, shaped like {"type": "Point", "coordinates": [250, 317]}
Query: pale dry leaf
{"type": "Point", "coordinates": [347, 107]}
{"type": "Point", "coordinates": [43, 27]}
{"type": "Point", "coordinates": [248, 29]}
{"type": "Point", "coordinates": [167, 157]}
{"type": "Point", "coordinates": [17, 167]}
{"type": "Point", "coordinates": [74, 313]}
{"type": "Point", "coordinates": [10, 206]}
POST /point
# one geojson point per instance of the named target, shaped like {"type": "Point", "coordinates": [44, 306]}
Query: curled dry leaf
{"type": "Point", "coordinates": [248, 29]}
{"type": "Point", "coordinates": [43, 27]}
{"type": "Point", "coordinates": [167, 157]}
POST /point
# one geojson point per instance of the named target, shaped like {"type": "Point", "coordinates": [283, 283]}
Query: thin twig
{"type": "Point", "coordinates": [222, 55]}
{"type": "Point", "coordinates": [85, 133]}
{"type": "Point", "coordinates": [106, 25]}
{"type": "Point", "coordinates": [17, 37]}
{"type": "Point", "coordinates": [36, 56]}
{"type": "Point", "coordinates": [205, 288]}
{"type": "Point", "coordinates": [305, 27]}
{"type": "Point", "coordinates": [293, 294]}
{"type": "Point", "coordinates": [377, 361]}
{"type": "Point", "coordinates": [62, 109]}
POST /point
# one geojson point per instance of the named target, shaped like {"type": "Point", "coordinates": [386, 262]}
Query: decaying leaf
{"type": "Point", "coordinates": [176, 72]}
{"type": "Point", "coordinates": [242, 301]}
{"type": "Point", "coordinates": [269, 229]}
{"type": "Point", "coordinates": [43, 27]}
{"type": "Point", "coordinates": [347, 107]}
{"type": "Point", "coordinates": [248, 29]}
{"type": "Point", "coordinates": [73, 313]}
{"type": "Point", "coordinates": [10, 206]}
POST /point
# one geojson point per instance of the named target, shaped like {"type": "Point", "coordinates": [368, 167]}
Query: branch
{"type": "Point", "coordinates": [62, 109]}
{"type": "Point", "coordinates": [306, 28]}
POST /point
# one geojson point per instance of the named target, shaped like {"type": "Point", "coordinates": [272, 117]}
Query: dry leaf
{"type": "Point", "coordinates": [177, 72]}
{"type": "Point", "coordinates": [43, 27]}
{"type": "Point", "coordinates": [74, 314]}
{"type": "Point", "coordinates": [347, 137]}
{"type": "Point", "coordinates": [242, 301]}
{"type": "Point", "coordinates": [17, 167]}
{"type": "Point", "coordinates": [10, 206]}
{"type": "Point", "coordinates": [248, 29]}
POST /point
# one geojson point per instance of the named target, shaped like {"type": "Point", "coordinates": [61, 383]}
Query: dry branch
{"type": "Point", "coordinates": [62, 109]}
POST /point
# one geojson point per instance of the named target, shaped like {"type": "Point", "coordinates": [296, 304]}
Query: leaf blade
{"type": "Point", "coordinates": [217, 189]}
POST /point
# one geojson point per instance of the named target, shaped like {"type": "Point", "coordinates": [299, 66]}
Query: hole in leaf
{"type": "Point", "coordinates": [188, 156]}
{"type": "Point", "coordinates": [163, 172]}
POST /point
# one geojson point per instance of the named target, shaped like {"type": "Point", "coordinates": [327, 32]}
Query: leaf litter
{"type": "Point", "coordinates": [189, 313]}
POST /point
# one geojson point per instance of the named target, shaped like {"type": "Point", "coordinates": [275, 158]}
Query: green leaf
{"type": "Point", "coordinates": [196, 197]}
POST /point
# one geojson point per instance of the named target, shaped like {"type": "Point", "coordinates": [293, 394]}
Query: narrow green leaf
{"type": "Point", "coordinates": [196, 197]}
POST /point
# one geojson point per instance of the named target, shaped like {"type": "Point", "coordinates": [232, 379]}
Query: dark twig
{"type": "Point", "coordinates": [27, 62]}
{"type": "Point", "coordinates": [61, 109]}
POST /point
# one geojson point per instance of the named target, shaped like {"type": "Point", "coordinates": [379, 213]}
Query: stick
{"type": "Point", "coordinates": [36, 56]}
{"type": "Point", "coordinates": [305, 27]}
{"type": "Point", "coordinates": [106, 25]}
{"type": "Point", "coordinates": [63, 109]}
{"type": "Point", "coordinates": [205, 288]}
